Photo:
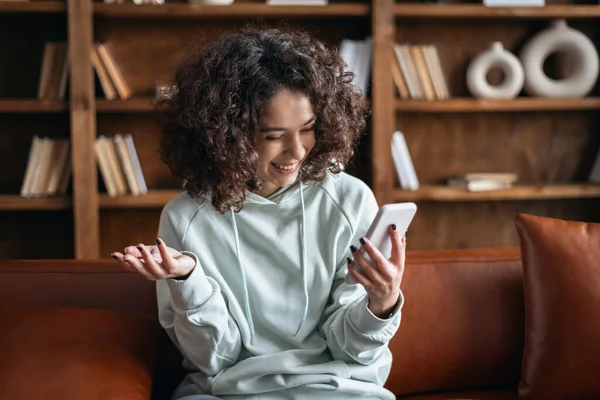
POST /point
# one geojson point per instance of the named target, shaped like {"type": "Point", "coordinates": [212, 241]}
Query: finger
{"type": "Point", "coordinates": [359, 276]}
{"type": "Point", "coordinates": [397, 244]}
{"type": "Point", "coordinates": [132, 250]}
{"type": "Point", "coordinates": [373, 252]}
{"type": "Point", "coordinates": [119, 257]}
{"type": "Point", "coordinates": [168, 261]}
{"type": "Point", "coordinates": [150, 264]}
{"type": "Point", "coordinates": [369, 270]}
{"type": "Point", "coordinates": [138, 265]}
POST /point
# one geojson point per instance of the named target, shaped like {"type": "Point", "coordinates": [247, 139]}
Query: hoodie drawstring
{"type": "Point", "coordinates": [247, 311]}
{"type": "Point", "coordinates": [239, 260]}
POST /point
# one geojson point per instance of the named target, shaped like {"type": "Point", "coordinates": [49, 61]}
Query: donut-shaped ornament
{"type": "Point", "coordinates": [560, 38]}
{"type": "Point", "coordinates": [495, 57]}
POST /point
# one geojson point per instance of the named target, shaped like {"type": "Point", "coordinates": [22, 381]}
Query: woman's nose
{"type": "Point", "coordinates": [296, 148]}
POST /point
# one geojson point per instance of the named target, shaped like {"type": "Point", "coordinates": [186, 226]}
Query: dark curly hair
{"type": "Point", "coordinates": [209, 120]}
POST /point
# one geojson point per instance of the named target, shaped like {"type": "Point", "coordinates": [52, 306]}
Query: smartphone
{"type": "Point", "coordinates": [400, 214]}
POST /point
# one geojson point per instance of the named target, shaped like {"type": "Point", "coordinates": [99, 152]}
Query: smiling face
{"type": "Point", "coordinates": [286, 137]}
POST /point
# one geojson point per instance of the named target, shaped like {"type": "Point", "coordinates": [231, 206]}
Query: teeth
{"type": "Point", "coordinates": [285, 167]}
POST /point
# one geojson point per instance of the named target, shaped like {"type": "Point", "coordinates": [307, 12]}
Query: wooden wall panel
{"type": "Point", "coordinates": [540, 147]}
{"type": "Point", "coordinates": [440, 225]}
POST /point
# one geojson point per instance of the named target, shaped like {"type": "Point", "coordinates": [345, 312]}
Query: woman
{"type": "Point", "coordinates": [250, 262]}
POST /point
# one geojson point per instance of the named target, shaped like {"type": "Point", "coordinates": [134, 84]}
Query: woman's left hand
{"type": "Point", "coordinates": [381, 278]}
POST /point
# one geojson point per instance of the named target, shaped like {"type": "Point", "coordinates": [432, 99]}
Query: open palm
{"type": "Point", "coordinates": [155, 261]}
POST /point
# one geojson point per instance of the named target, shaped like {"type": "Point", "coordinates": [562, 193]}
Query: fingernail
{"type": "Point", "coordinates": [362, 240]}
{"type": "Point", "coordinates": [115, 257]}
{"type": "Point", "coordinates": [349, 260]}
{"type": "Point", "coordinates": [353, 248]}
{"type": "Point", "coordinates": [139, 248]}
{"type": "Point", "coordinates": [393, 227]}
{"type": "Point", "coordinates": [158, 241]}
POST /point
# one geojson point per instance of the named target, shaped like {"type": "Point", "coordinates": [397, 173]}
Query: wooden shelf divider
{"type": "Point", "coordinates": [153, 199]}
{"type": "Point", "coordinates": [27, 106]}
{"type": "Point", "coordinates": [134, 104]}
{"type": "Point", "coordinates": [461, 105]}
{"type": "Point", "coordinates": [480, 11]}
{"type": "Point", "coordinates": [33, 6]}
{"type": "Point", "coordinates": [17, 203]}
{"type": "Point", "coordinates": [184, 10]}
{"type": "Point", "coordinates": [519, 192]}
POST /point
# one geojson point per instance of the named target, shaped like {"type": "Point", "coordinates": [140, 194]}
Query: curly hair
{"type": "Point", "coordinates": [209, 120]}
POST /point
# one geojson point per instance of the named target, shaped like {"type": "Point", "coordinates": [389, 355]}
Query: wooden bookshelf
{"type": "Point", "coordinates": [236, 10]}
{"type": "Point", "coordinates": [461, 105]}
{"type": "Point", "coordinates": [480, 11]}
{"type": "Point", "coordinates": [27, 106]}
{"type": "Point", "coordinates": [18, 203]}
{"type": "Point", "coordinates": [519, 192]}
{"type": "Point", "coordinates": [33, 7]}
{"type": "Point", "coordinates": [153, 199]}
{"type": "Point", "coordinates": [542, 140]}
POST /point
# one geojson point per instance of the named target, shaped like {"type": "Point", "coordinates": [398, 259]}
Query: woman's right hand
{"type": "Point", "coordinates": [156, 262]}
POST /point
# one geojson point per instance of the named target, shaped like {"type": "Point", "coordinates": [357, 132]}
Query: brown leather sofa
{"type": "Point", "coordinates": [461, 335]}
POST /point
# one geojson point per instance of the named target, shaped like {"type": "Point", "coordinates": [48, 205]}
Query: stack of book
{"type": "Point", "coordinates": [111, 77]}
{"type": "Point", "coordinates": [477, 182]}
{"type": "Point", "coordinates": [357, 55]}
{"type": "Point", "coordinates": [54, 72]}
{"type": "Point", "coordinates": [48, 169]}
{"type": "Point", "coordinates": [119, 165]}
{"type": "Point", "coordinates": [418, 74]}
{"type": "Point", "coordinates": [405, 168]}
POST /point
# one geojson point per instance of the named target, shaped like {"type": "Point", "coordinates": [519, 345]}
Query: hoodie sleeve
{"type": "Point", "coordinates": [353, 333]}
{"type": "Point", "coordinates": [194, 314]}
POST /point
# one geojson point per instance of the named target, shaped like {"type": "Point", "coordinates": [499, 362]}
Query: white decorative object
{"type": "Point", "coordinates": [403, 162]}
{"type": "Point", "coordinates": [559, 37]}
{"type": "Point", "coordinates": [495, 57]}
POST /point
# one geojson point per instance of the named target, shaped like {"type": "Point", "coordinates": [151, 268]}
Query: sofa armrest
{"type": "Point", "coordinates": [75, 283]}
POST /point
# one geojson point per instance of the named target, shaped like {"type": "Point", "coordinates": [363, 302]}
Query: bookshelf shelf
{"type": "Point", "coordinates": [153, 199]}
{"type": "Point", "coordinates": [519, 104]}
{"type": "Point", "coordinates": [18, 203]}
{"type": "Point", "coordinates": [520, 192]}
{"type": "Point", "coordinates": [26, 106]}
{"type": "Point", "coordinates": [234, 10]}
{"type": "Point", "coordinates": [135, 104]}
{"type": "Point", "coordinates": [480, 11]}
{"type": "Point", "coordinates": [33, 6]}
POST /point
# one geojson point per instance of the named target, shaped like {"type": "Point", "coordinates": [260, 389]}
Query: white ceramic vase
{"type": "Point", "coordinates": [559, 37]}
{"type": "Point", "coordinates": [495, 57]}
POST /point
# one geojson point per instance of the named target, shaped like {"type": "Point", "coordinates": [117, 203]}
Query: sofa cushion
{"type": "Point", "coordinates": [70, 353]}
{"type": "Point", "coordinates": [561, 272]}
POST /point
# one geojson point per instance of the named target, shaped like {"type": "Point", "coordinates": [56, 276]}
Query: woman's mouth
{"type": "Point", "coordinates": [286, 168]}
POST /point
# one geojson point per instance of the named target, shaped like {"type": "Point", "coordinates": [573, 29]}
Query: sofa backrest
{"type": "Point", "coordinates": [462, 321]}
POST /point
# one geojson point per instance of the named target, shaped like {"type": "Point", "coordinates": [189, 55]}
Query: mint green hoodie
{"type": "Point", "coordinates": [266, 313]}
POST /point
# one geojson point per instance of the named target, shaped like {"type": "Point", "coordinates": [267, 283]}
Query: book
{"type": "Point", "coordinates": [476, 182]}
{"type": "Point", "coordinates": [595, 172]}
{"type": "Point", "coordinates": [48, 168]}
{"type": "Point", "coordinates": [403, 162]}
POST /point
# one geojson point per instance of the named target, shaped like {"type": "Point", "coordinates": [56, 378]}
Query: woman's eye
{"type": "Point", "coordinates": [274, 138]}
{"type": "Point", "coordinates": [308, 130]}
